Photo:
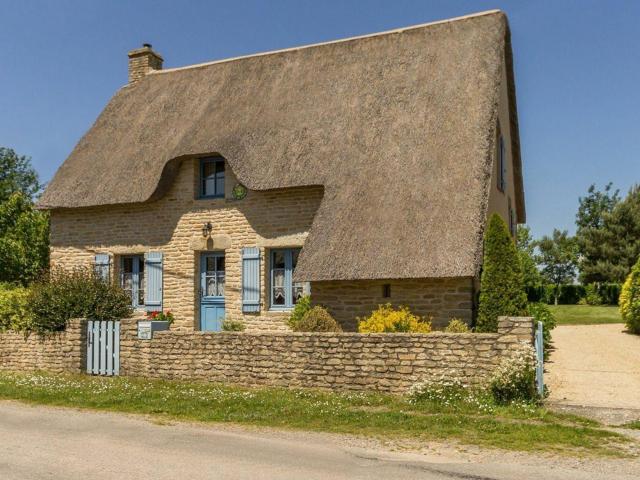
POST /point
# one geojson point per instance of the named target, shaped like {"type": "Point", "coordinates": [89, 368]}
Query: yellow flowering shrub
{"type": "Point", "coordinates": [630, 300]}
{"type": "Point", "coordinates": [386, 319]}
{"type": "Point", "coordinates": [457, 326]}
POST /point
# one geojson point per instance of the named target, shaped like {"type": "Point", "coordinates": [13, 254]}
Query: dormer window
{"type": "Point", "coordinates": [212, 177]}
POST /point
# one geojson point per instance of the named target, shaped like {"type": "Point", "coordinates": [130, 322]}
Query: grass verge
{"type": "Point", "coordinates": [585, 314]}
{"type": "Point", "coordinates": [518, 427]}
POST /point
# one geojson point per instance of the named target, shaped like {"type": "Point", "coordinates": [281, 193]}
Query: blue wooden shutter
{"type": "Point", "coordinates": [153, 287]}
{"type": "Point", "coordinates": [250, 279]}
{"type": "Point", "coordinates": [102, 263]}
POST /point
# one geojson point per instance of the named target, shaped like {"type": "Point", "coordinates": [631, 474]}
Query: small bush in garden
{"type": "Point", "coordinates": [542, 313]}
{"type": "Point", "coordinates": [592, 297]}
{"type": "Point", "coordinates": [317, 319]}
{"type": "Point", "coordinates": [515, 378]}
{"type": "Point", "coordinates": [502, 284]}
{"type": "Point", "coordinates": [233, 326]}
{"type": "Point", "coordinates": [161, 316]}
{"type": "Point", "coordinates": [302, 306]}
{"type": "Point", "coordinates": [457, 326]}
{"type": "Point", "coordinates": [77, 293]}
{"type": "Point", "coordinates": [14, 312]}
{"type": "Point", "coordinates": [386, 319]}
{"type": "Point", "coordinates": [630, 299]}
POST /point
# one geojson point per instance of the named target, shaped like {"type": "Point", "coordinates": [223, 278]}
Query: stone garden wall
{"type": "Point", "coordinates": [352, 361]}
{"type": "Point", "coordinates": [55, 352]}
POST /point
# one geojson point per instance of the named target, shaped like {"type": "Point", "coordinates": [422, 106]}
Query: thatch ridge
{"type": "Point", "coordinates": [396, 127]}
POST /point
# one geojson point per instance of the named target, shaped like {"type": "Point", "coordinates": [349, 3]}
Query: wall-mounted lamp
{"type": "Point", "coordinates": [206, 229]}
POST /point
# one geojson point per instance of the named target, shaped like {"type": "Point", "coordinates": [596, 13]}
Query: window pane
{"type": "Point", "coordinates": [219, 184]}
{"type": "Point", "coordinates": [278, 287]}
{"type": "Point", "coordinates": [209, 186]}
{"type": "Point", "coordinates": [294, 258]}
{"type": "Point", "coordinates": [220, 264]}
{"type": "Point", "coordinates": [220, 284]}
{"type": "Point", "coordinates": [211, 265]}
{"type": "Point", "coordinates": [208, 169]}
{"type": "Point", "coordinates": [210, 283]}
{"type": "Point", "coordinates": [297, 292]}
{"type": "Point", "coordinates": [127, 264]}
{"type": "Point", "coordinates": [141, 283]}
{"type": "Point", "coordinates": [278, 260]}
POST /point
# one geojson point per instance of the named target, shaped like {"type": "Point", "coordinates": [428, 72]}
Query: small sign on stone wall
{"type": "Point", "coordinates": [146, 328]}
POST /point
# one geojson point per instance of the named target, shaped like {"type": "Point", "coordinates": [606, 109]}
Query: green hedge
{"type": "Point", "coordinates": [571, 294]}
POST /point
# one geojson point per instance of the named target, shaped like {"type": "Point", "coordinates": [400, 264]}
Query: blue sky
{"type": "Point", "coordinates": [577, 72]}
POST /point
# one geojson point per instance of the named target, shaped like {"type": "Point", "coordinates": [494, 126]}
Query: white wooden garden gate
{"type": "Point", "coordinates": [103, 347]}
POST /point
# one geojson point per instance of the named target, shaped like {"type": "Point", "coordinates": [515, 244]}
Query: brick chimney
{"type": "Point", "coordinates": [142, 61]}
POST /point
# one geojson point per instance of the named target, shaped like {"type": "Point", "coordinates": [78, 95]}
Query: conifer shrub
{"type": "Point", "coordinates": [630, 300]}
{"type": "Point", "coordinates": [502, 290]}
{"type": "Point", "coordinates": [317, 319]}
{"type": "Point", "coordinates": [386, 319]}
{"type": "Point", "coordinates": [302, 306]}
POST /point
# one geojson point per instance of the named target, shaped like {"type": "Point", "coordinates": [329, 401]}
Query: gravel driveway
{"type": "Point", "coordinates": [595, 366]}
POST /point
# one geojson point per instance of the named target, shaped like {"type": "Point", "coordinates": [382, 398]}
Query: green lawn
{"type": "Point", "coordinates": [585, 314]}
{"type": "Point", "coordinates": [477, 422]}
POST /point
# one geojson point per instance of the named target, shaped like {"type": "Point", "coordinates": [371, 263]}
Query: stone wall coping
{"type": "Point", "coordinates": [184, 333]}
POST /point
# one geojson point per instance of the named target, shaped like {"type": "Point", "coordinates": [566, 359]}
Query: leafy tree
{"type": "Point", "coordinates": [558, 257]}
{"type": "Point", "coordinates": [528, 261]}
{"type": "Point", "coordinates": [24, 240]}
{"type": "Point", "coordinates": [17, 175]}
{"type": "Point", "coordinates": [502, 284]}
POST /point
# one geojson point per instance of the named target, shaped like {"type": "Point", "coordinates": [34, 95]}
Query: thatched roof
{"type": "Point", "coordinates": [398, 127]}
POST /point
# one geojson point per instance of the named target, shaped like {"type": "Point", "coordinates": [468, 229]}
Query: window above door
{"type": "Point", "coordinates": [211, 181]}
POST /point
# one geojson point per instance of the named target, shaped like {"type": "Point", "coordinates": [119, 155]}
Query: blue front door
{"type": "Point", "coordinates": [212, 281]}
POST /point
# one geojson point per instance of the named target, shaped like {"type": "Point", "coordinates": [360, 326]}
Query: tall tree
{"type": "Point", "coordinates": [501, 284]}
{"type": "Point", "coordinates": [17, 175]}
{"type": "Point", "coordinates": [24, 231]}
{"type": "Point", "coordinates": [608, 235]}
{"type": "Point", "coordinates": [558, 258]}
{"type": "Point", "coordinates": [595, 205]}
{"type": "Point", "coordinates": [526, 253]}
{"type": "Point", "coordinates": [621, 239]}
{"type": "Point", "coordinates": [595, 262]}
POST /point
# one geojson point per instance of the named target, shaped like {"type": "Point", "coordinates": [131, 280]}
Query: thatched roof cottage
{"type": "Point", "coordinates": [361, 170]}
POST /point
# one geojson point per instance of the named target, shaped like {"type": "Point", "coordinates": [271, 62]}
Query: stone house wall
{"type": "Point", "coordinates": [441, 299]}
{"type": "Point", "coordinates": [267, 219]}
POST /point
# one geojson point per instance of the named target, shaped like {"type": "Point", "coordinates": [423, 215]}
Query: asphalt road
{"type": "Point", "coordinates": [48, 443]}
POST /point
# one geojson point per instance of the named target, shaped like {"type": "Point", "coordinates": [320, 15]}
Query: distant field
{"type": "Point", "coordinates": [585, 314]}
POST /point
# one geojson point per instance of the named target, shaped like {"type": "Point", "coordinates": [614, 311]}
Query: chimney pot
{"type": "Point", "coordinates": [142, 61]}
